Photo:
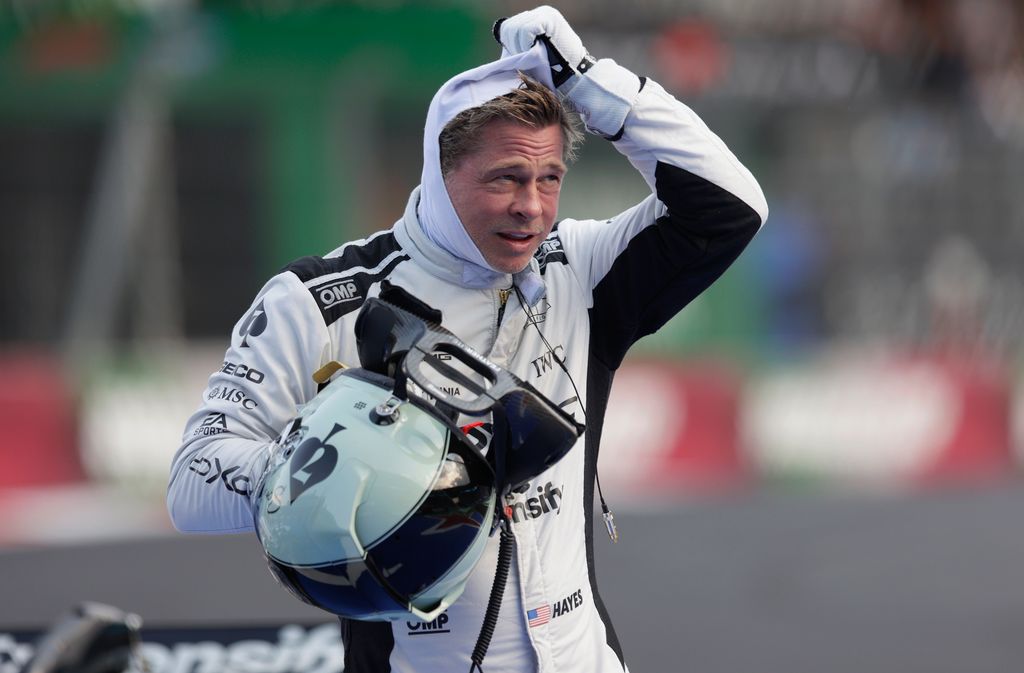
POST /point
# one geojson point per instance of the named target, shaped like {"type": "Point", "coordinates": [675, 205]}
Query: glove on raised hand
{"type": "Point", "coordinates": [601, 91]}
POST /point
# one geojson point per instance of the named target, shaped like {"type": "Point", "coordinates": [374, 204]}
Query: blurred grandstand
{"type": "Point", "coordinates": [160, 159]}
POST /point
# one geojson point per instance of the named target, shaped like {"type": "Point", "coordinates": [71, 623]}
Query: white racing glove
{"type": "Point", "coordinates": [601, 91]}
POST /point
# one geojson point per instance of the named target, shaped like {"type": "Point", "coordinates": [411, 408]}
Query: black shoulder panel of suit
{"type": "Point", "coordinates": [551, 251]}
{"type": "Point", "coordinates": [668, 264]}
{"type": "Point", "coordinates": [351, 274]}
{"type": "Point", "coordinates": [367, 646]}
{"type": "Point", "coordinates": [367, 256]}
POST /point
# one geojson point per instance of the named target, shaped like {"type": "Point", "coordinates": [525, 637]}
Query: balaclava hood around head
{"type": "Point", "coordinates": [436, 214]}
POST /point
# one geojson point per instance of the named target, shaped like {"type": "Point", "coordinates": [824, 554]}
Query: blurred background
{"type": "Point", "coordinates": [815, 465]}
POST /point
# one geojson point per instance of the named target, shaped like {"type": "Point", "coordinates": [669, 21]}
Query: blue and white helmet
{"type": "Point", "coordinates": [371, 516]}
{"type": "Point", "coordinates": [374, 504]}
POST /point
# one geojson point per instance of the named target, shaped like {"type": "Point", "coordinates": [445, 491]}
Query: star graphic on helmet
{"type": "Point", "coordinates": [453, 517]}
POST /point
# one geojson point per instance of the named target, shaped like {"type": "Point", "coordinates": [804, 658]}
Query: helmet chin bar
{"type": "Point", "coordinates": [401, 599]}
{"type": "Point", "coordinates": [531, 433]}
{"type": "Point", "coordinates": [360, 477]}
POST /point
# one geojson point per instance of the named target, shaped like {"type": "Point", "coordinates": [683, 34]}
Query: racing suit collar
{"type": "Point", "coordinates": [433, 211]}
{"type": "Point", "coordinates": [443, 264]}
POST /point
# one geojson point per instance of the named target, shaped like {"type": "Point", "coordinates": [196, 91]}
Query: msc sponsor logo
{"type": "Point", "coordinates": [229, 394]}
{"type": "Point", "coordinates": [439, 625]}
{"type": "Point", "coordinates": [543, 614]}
{"type": "Point", "coordinates": [337, 292]}
{"type": "Point", "coordinates": [243, 372]}
{"type": "Point", "coordinates": [213, 424]}
{"type": "Point", "coordinates": [236, 483]}
{"type": "Point", "coordinates": [254, 325]}
{"type": "Point", "coordinates": [549, 360]}
{"type": "Point", "coordinates": [547, 500]}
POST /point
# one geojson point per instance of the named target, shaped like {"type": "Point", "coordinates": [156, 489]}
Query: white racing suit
{"type": "Point", "coordinates": [607, 282]}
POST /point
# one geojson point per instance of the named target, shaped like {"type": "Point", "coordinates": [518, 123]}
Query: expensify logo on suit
{"type": "Point", "coordinates": [290, 648]}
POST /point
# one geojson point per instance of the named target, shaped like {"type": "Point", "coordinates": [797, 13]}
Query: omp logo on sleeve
{"type": "Point", "coordinates": [337, 292]}
{"type": "Point", "coordinates": [550, 251]}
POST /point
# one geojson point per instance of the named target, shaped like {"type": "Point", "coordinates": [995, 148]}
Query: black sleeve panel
{"type": "Point", "coordinates": [668, 264]}
{"type": "Point", "coordinates": [599, 383]}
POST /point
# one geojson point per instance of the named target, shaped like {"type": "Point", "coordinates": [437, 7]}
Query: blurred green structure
{"type": "Point", "coordinates": [296, 75]}
{"type": "Point", "coordinates": [275, 134]}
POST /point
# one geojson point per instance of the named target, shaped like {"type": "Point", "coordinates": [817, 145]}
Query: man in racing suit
{"type": "Point", "coordinates": [478, 242]}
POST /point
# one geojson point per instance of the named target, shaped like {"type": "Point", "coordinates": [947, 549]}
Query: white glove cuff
{"type": "Point", "coordinates": [603, 96]}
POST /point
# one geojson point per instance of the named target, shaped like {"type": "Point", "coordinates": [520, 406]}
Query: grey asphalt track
{"type": "Point", "coordinates": [765, 582]}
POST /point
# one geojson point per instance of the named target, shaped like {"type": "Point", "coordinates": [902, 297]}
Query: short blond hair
{"type": "Point", "coordinates": [532, 104]}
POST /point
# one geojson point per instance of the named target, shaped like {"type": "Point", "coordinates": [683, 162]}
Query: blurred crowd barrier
{"type": "Point", "coordinates": [674, 430]}
{"type": "Point", "coordinates": [159, 160]}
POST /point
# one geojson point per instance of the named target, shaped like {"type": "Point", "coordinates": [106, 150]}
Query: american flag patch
{"type": "Point", "coordinates": [539, 616]}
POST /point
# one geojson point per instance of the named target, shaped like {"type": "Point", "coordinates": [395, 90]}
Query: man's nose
{"type": "Point", "coordinates": [527, 204]}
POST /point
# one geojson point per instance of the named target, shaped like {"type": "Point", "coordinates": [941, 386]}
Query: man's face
{"type": "Point", "coordinates": [506, 192]}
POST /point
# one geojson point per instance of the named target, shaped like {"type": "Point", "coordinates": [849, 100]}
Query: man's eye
{"type": "Point", "coordinates": [551, 182]}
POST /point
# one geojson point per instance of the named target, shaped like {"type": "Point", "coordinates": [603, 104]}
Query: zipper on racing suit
{"type": "Point", "coordinates": [502, 301]}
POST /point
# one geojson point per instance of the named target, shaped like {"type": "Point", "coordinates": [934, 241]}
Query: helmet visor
{"type": "Point", "coordinates": [537, 433]}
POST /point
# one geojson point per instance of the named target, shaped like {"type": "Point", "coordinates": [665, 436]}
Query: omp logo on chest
{"type": "Point", "coordinates": [439, 625]}
{"type": "Point", "coordinates": [337, 292]}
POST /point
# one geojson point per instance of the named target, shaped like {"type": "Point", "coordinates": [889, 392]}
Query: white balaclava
{"type": "Point", "coordinates": [436, 214]}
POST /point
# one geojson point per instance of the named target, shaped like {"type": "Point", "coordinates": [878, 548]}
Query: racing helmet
{"type": "Point", "coordinates": [374, 520]}
{"type": "Point", "coordinates": [374, 505]}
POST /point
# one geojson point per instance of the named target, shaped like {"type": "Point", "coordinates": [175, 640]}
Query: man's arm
{"type": "Point", "coordinates": [644, 265]}
{"type": "Point", "coordinates": [265, 376]}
